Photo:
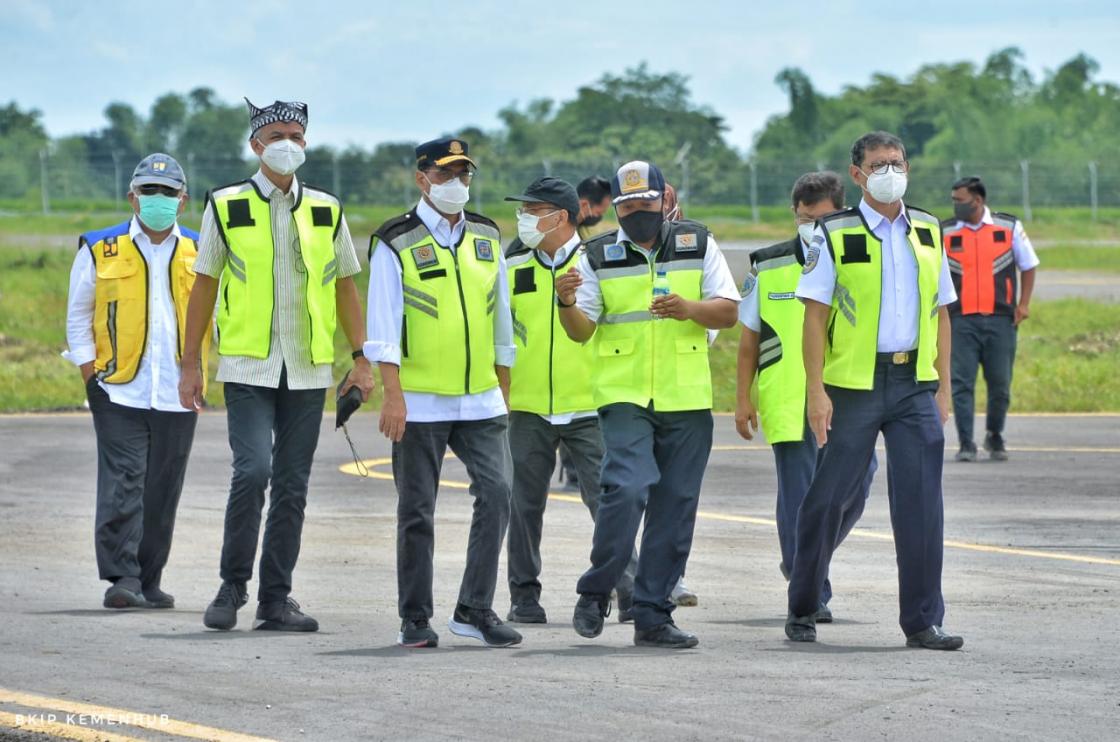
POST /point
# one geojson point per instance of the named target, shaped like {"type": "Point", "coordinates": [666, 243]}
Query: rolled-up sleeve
{"type": "Point", "coordinates": [212, 250]}
{"type": "Point", "coordinates": [717, 281]}
{"type": "Point", "coordinates": [818, 277]}
{"type": "Point", "coordinates": [79, 310]}
{"type": "Point", "coordinates": [384, 307]}
{"type": "Point", "coordinates": [505, 352]}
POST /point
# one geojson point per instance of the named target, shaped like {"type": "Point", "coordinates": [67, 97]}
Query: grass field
{"type": "Point", "coordinates": [1068, 350]}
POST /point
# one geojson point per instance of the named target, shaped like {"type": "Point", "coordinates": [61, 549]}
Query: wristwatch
{"type": "Point", "coordinates": [357, 354]}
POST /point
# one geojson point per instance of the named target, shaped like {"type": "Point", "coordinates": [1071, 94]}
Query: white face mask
{"type": "Point", "coordinates": [284, 156]}
{"type": "Point", "coordinates": [527, 228]}
{"type": "Point", "coordinates": [888, 187]}
{"type": "Point", "coordinates": [806, 232]}
{"type": "Point", "coordinates": [449, 197]}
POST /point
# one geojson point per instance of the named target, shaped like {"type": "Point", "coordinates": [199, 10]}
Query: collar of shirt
{"type": "Point", "coordinates": [266, 186]}
{"type": "Point", "coordinates": [623, 237]}
{"type": "Point", "coordinates": [445, 234]}
{"type": "Point", "coordinates": [562, 254]}
{"type": "Point", "coordinates": [875, 220]}
{"type": "Point", "coordinates": [135, 231]}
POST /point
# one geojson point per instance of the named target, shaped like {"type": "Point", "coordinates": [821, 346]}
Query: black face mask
{"type": "Point", "coordinates": [964, 211]}
{"type": "Point", "coordinates": [591, 220]}
{"type": "Point", "coordinates": [642, 226]}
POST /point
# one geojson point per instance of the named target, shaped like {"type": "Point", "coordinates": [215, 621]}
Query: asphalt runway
{"type": "Point", "coordinates": [1032, 580]}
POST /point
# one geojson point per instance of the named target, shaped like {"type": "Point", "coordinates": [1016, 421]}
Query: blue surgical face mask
{"type": "Point", "coordinates": [158, 212]}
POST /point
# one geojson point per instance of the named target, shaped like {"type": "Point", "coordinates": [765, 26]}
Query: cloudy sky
{"type": "Point", "coordinates": [378, 71]}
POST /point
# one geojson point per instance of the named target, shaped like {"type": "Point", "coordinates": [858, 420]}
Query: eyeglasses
{"type": "Point", "coordinates": [526, 212]}
{"type": "Point", "coordinates": [151, 189]}
{"type": "Point", "coordinates": [880, 168]}
{"type": "Point", "coordinates": [446, 174]}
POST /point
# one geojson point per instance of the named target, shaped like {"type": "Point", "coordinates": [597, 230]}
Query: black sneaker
{"type": "Point", "coordinates": [417, 634]}
{"type": "Point", "coordinates": [527, 611]}
{"type": "Point", "coordinates": [589, 614]}
{"type": "Point", "coordinates": [118, 596]}
{"type": "Point", "coordinates": [967, 452]}
{"type": "Point", "coordinates": [665, 636]}
{"type": "Point", "coordinates": [482, 624]}
{"type": "Point", "coordinates": [283, 615]}
{"type": "Point", "coordinates": [222, 611]}
{"type": "Point", "coordinates": [158, 599]}
{"type": "Point", "coordinates": [823, 614]}
{"type": "Point", "coordinates": [625, 607]}
{"type": "Point", "coordinates": [993, 444]}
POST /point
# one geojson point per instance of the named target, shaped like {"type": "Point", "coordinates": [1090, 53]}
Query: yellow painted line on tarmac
{"type": "Point", "coordinates": [154, 722]}
{"type": "Point", "coordinates": [1022, 449]}
{"type": "Point", "coordinates": [372, 464]}
{"type": "Point", "coordinates": [58, 730]}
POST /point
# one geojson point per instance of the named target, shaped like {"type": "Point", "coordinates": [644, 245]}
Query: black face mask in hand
{"type": "Point", "coordinates": [642, 226]}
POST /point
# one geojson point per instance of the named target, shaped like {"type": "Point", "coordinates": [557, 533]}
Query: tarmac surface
{"type": "Point", "coordinates": [1031, 580]}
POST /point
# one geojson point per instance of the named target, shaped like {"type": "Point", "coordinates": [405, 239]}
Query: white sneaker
{"type": "Point", "coordinates": [682, 596]}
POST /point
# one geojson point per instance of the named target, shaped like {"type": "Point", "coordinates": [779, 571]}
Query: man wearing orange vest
{"type": "Point", "coordinates": [989, 255]}
{"type": "Point", "coordinates": [129, 288]}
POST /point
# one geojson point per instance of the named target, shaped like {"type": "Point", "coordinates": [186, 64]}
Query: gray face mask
{"type": "Point", "coordinates": [964, 211]}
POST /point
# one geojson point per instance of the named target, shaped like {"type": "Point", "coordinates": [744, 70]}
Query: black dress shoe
{"type": "Point", "coordinates": [118, 596]}
{"type": "Point", "coordinates": [934, 638]}
{"type": "Point", "coordinates": [527, 611]}
{"type": "Point", "coordinates": [625, 607]}
{"type": "Point", "coordinates": [823, 614]}
{"type": "Point", "coordinates": [801, 628]}
{"type": "Point", "coordinates": [417, 634]}
{"type": "Point", "coordinates": [589, 614]}
{"type": "Point", "coordinates": [283, 616]}
{"type": "Point", "coordinates": [222, 611]}
{"type": "Point", "coordinates": [993, 444]}
{"type": "Point", "coordinates": [158, 599]}
{"type": "Point", "coordinates": [665, 636]}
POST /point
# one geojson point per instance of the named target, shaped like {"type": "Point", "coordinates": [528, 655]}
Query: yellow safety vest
{"type": "Point", "coordinates": [553, 372]}
{"type": "Point", "coordinates": [447, 333]}
{"type": "Point", "coordinates": [781, 370]}
{"type": "Point", "coordinates": [244, 219]}
{"type": "Point", "coordinates": [121, 300]}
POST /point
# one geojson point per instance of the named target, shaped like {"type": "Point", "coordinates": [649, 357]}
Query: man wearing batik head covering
{"type": "Point", "coordinates": [283, 254]}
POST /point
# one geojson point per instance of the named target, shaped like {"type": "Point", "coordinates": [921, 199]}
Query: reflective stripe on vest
{"type": "Point", "coordinates": [853, 325]}
{"type": "Point", "coordinates": [781, 372]}
{"type": "Point", "coordinates": [244, 218]}
{"type": "Point", "coordinates": [553, 372]}
{"type": "Point", "coordinates": [121, 299]}
{"type": "Point", "coordinates": [982, 265]}
{"type": "Point", "coordinates": [447, 337]}
{"type": "Point", "coordinates": [639, 359]}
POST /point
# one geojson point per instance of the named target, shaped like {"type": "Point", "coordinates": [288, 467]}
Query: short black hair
{"type": "Point", "coordinates": [812, 188]}
{"type": "Point", "coordinates": [594, 188]}
{"type": "Point", "coordinates": [973, 185]}
{"type": "Point", "coordinates": [875, 140]}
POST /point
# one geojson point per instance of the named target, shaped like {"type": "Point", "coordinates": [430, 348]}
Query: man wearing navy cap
{"type": "Point", "coordinates": [550, 397]}
{"type": "Point", "coordinates": [129, 289]}
{"type": "Point", "coordinates": [441, 334]}
{"type": "Point", "coordinates": [647, 294]}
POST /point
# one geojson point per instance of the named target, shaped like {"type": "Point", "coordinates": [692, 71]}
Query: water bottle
{"type": "Point", "coordinates": [660, 286]}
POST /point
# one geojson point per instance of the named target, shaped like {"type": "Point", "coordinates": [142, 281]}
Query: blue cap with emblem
{"type": "Point", "coordinates": [637, 179]}
{"type": "Point", "coordinates": [159, 169]}
{"type": "Point", "coordinates": [442, 151]}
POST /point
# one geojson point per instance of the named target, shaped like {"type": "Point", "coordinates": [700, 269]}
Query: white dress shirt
{"type": "Point", "coordinates": [156, 384]}
{"type": "Point", "coordinates": [385, 315]}
{"type": "Point", "coordinates": [898, 305]}
{"type": "Point", "coordinates": [1025, 256]}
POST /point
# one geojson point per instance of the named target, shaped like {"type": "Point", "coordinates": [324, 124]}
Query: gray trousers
{"type": "Point", "coordinates": [141, 461]}
{"type": "Point", "coordinates": [533, 442]}
{"type": "Point", "coordinates": [273, 434]}
{"type": "Point", "coordinates": [654, 465]}
{"type": "Point", "coordinates": [988, 342]}
{"type": "Point", "coordinates": [483, 447]}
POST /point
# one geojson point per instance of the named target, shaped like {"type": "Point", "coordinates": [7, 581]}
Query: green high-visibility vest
{"type": "Point", "coordinates": [853, 325]}
{"type": "Point", "coordinates": [781, 371]}
{"type": "Point", "coordinates": [638, 359]}
{"type": "Point", "coordinates": [553, 372]}
{"type": "Point", "coordinates": [447, 335]}
{"type": "Point", "coordinates": [244, 221]}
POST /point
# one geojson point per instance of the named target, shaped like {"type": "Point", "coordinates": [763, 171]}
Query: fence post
{"type": "Point", "coordinates": [46, 198]}
{"type": "Point", "coordinates": [754, 192]}
{"type": "Point", "coordinates": [1025, 166]}
{"type": "Point", "coordinates": [956, 170]}
{"type": "Point", "coordinates": [190, 177]}
{"type": "Point", "coordinates": [117, 193]}
{"type": "Point", "coordinates": [1093, 189]}
{"type": "Point", "coordinates": [336, 176]}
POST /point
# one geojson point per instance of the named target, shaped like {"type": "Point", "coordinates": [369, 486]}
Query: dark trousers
{"type": "Point", "coordinates": [273, 434]}
{"type": "Point", "coordinates": [567, 466]}
{"type": "Point", "coordinates": [988, 342]}
{"type": "Point", "coordinates": [141, 461]}
{"type": "Point", "coordinates": [483, 447]}
{"type": "Point", "coordinates": [796, 461]}
{"type": "Point", "coordinates": [533, 442]}
{"type": "Point", "coordinates": [905, 411]}
{"type": "Point", "coordinates": [654, 464]}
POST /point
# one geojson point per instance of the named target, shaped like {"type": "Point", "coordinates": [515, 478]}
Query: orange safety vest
{"type": "Point", "coordinates": [982, 266]}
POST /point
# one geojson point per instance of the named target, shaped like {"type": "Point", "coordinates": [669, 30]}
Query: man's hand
{"type": "Point", "coordinates": [360, 376]}
{"type": "Point", "coordinates": [943, 398]}
{"type": "Point", "coordinates": [87, 371]}
{"type": "Point", "coordinates": [566, 285]}
{"type": "Point", "coordinates": [671, 306]}
{"type": "Point", "coordinates": [393, 413]}
{"type": "Point", "coordinates": [190, 386]}
{"type": "Point", "coordinates": [1022, 312]}
{"type": "Point", "coordinates": [820, 414]}
{"type": "Point", "coordinates": [746, 419]}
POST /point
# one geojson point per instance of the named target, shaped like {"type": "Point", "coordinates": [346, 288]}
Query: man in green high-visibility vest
{"type": "Point", "coordinates": [770, 346]}
{"type": "Point", "coordinates": [647, 294]}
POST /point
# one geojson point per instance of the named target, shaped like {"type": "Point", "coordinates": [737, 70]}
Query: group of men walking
{"type": "Point", "coordinates": [593, 343]}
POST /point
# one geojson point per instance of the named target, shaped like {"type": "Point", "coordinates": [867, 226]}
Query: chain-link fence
{"type": "Point", "coordinates": [1018, 186]}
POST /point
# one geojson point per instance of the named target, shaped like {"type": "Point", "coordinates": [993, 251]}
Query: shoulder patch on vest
{"type": "Point", "coordinates": [925, 236]}
{"type": "Point", "coordinates": [855, 249]}
{"type": "Point", "coordinates": [239, 214]}
{"type": "Point", "coordinates": [686, 242]}
{"type": "Point", "coordinates": [322, 216]}
{"type": "Point", "coordinates": [614, 252]}
{"type": "Point", "coordinates": [813, 255]}
{"type": "Point", "coordinates": [424, 256]}
{"type": "Point", "coordinates": [484, 249]}
{"type": "Point", "coordinates": [749, 284]}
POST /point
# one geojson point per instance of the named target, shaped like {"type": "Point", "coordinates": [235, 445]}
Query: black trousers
{"type": "Point", "coordinates": [273, 434]}
{"type": "Point", "coordinates": [141, 462]}
{"type": "Point", "coordinates": [986, 342]}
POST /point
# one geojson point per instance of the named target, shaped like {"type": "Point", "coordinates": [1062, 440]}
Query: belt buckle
{"type": "Point", "coordinates": [901, 358]}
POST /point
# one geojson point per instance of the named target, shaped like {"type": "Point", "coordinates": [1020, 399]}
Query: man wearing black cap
{"type": "Point", "coordinates": [647, 293]}
{"type": "Point", "coordinates": [441, 333]}
{"type": "Point", "coordinates": [550, 398]}
{"type": "Point", "coordinates": [283, 253]}
{"type": "Point", "coordinates": [129, 288]}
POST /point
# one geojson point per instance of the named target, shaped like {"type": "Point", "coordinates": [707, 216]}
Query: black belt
{"type": "Point", "coordinates": [901, 358]}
